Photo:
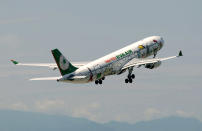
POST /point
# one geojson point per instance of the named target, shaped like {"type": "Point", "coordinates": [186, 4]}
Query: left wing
{"type": "Point", "coordinates": [50, 65]}
{"type": "Point", "coordinates": [139, 62]}
{"type": "Point", "coordinates": [45, 78]}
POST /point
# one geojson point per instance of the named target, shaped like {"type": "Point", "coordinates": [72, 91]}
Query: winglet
{"type": "Point", "coordinates": [180, 54]}
{"type": "Point", "coordinates": [14, 62]}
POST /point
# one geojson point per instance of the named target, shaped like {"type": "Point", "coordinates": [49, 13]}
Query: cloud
{"type": "Point", "coordinates": [56, 106]}
{"type": "Point", "coordinates": [49, 105]}
{"type": "Point", "coordinates": [123, 117]}
{"type": "Point", "coordinates": [15, 106]}
{"type": "Point", "coordinates": [19, 106]}
{"type": "Point", "coordinates": [87, 111]}
{"type": "Point", "coordinates": [93, 111]}
{"type": "Point", "coordinates": [184, 114]}
{"type": "Point", "coordinates": [152, 113]}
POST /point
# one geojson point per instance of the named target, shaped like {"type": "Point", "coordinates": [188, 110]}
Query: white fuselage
{"type": "Point", "coordinates": [114, 62]}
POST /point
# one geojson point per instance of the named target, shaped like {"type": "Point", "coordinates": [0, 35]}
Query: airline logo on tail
{"type": "Point", "coordinates": [64, 64]}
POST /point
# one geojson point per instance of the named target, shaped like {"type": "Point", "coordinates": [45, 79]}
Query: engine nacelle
{"type": "Point", "coordinates": [153, 65]}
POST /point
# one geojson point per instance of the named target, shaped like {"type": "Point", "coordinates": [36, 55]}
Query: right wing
{"type": "Point", "coordinates": [50, 65]}
{"type": "Point", "coordinates": [138, 62]}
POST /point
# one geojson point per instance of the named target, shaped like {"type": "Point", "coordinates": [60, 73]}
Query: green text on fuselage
{"type": "Point", "coordinates": [124, 54]}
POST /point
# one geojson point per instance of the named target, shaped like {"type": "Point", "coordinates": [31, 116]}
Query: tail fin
{"type": "Point", "coordinates": [63, 64]}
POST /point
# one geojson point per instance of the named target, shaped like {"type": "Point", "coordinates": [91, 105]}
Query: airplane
{"type": "Point", "coordinates": [115, 63]}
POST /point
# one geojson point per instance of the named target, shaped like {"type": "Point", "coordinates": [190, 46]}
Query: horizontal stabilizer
{"type": "Point", "coordinates": [45, 78]}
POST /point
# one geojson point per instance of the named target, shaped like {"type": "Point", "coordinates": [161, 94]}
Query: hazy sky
{"type": "Point", "coordinates": [88, 29]}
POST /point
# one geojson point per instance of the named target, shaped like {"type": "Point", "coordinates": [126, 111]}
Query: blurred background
{"type": "Point", "coordinates": [87, 30]}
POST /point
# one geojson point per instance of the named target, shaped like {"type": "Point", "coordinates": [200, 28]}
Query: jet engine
{"type": "Point", "coordinates": [153, 65]}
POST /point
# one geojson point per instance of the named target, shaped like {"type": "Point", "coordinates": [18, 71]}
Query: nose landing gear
{"type": "Point", "coordinates": [96, 82]}
{"type": "Point", "coordinates": [99, 81]}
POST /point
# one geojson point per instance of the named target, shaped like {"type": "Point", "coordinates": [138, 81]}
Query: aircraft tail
{"type": "Point", "coordinates": [63, 64]}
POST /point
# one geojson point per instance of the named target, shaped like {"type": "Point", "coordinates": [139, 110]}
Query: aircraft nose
{"type": "Point", "coordinates": [161, 42]}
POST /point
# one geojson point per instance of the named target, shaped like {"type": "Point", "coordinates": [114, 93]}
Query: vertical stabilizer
{"type": "Point", "coordinates": [63, 64]}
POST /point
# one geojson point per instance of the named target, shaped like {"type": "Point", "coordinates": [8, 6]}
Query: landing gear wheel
{"type": "Point", "coordinates": [126, 80]}
{"type": "Point", "coordinates": [132, 76]}
{"type": "Point", "coordinates": [130, 80]}
{"type": "Point", "coordinates": [100, 81]}
{"type": "Point", "coordinates": [96, 82]}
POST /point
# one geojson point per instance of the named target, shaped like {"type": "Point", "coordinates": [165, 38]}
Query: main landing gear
{"type": "Point", "coordinates": [130, 76]}
{"type": "Point", "coordinates": [99, 81]}
{"type": "Point", "coordinates": [130, 79]}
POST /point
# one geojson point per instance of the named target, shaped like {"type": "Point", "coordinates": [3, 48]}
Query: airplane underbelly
{"type": "Point", "coordinates": [118, 65]}
{"type": "Point", "coordinates": [97, 72]}
{"type": "Point", "coordinates": [83, 80]}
